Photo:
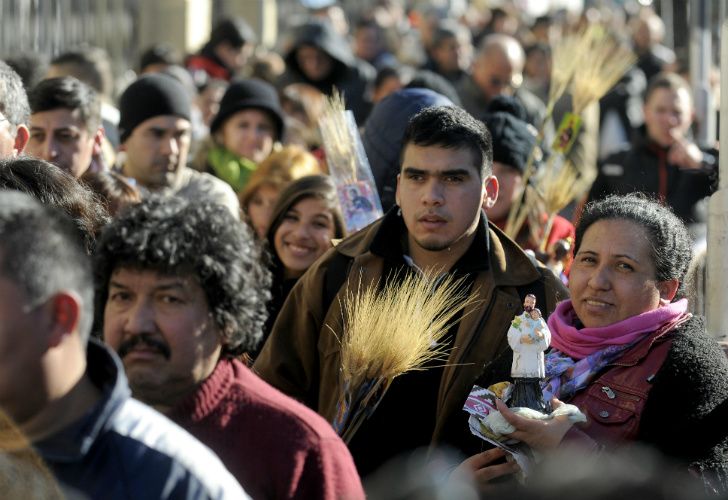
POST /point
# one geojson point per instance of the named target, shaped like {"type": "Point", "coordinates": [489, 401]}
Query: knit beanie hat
{"type": "Point", "coordinates": [512, 138]}
{"type": "Point", "coordinates": [245, 94]}
{"type": "Point", "coordinates": [150, 96]}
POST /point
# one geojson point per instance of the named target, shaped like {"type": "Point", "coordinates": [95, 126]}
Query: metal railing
{"type": "Point", "coordinates": [49, 27]}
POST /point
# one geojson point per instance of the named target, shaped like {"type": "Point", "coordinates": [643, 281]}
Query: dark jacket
{"type": "Point", "coordinates": [302, 357]}
{"type": "Point", "coordinates": [686, 408]}
{"type": "Point", "coordinates": [351, 75]}
{"type": "Point", "coordinates": [122, 449]}
{"type": "Point", "coordinates": [643, 167]}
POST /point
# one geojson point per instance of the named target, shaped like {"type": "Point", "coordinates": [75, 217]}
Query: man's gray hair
{"type": "Point", "coordinates": [13, 99]}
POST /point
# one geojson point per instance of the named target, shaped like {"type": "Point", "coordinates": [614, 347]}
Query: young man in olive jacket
{"type": "Point", "coordinates": [438, 225]}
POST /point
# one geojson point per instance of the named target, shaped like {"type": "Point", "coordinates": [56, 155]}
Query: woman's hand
{"type": "Point", "coordinates": [479, 468]}
{"type": "Point", "coordinates": [540, 435]}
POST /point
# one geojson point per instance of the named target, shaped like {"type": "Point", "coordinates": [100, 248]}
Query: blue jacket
{"type": "Point", "coordinates": [123, 449]}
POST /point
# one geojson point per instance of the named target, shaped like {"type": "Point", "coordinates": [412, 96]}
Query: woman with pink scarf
{"type": "Point", "coordinates": [625, 349]}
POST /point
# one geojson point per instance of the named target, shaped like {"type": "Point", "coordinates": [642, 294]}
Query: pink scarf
{"type": "Point", "coordinates": [580, 343]}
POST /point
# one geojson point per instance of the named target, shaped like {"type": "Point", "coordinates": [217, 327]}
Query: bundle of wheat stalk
{"type": "Point", "coordinates": [563, 66]}
{"type": "Point", "coordinates": [601, 61]}
{"type": "Point", "coordinates": [337, 139]}
{"type": "Point", "coordinates": [555, 191]}
{"type": "Point", "coordinates": [601, 64]}
{"type": "Point", "coordinates": [388, 332]}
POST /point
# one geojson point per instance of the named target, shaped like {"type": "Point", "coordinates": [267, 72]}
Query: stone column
{"type": "Point", "coordinates": [184, 24]}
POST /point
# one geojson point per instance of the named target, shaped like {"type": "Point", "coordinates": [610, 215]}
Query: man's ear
{"type": "Point", "coordinates": [668, 289]}
{"type": "Point", "coordinates": [490, 188]}
{"type": "Point", "coordinates": [65, 310]}
{"type": "Point", "coordinates": [396, 192]}
{"type": "Point", "coordinates": [22, 135]}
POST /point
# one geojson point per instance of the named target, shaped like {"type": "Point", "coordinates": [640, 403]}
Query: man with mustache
{"type": "Point", "coordinates": [67, 392]}
{"type": "Point", "coordinates": [438, 226]}
{"type": "Point", "coordinates": [154, 131]}
{"type": "Point", "coordinates": [183, 293]}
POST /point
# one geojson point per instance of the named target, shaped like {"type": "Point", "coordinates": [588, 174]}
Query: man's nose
{"type": "Point", "coordinates": [139, 319]}
{"type": "Point", "coordinates": [433, 193]}
{"type": "Point", "coordinates": [50, 149]}
{"type": "Point", "coordinates": [170, 146]}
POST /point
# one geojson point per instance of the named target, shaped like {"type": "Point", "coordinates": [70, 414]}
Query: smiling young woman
{"type": "Point", "coordinates": [304, 221]}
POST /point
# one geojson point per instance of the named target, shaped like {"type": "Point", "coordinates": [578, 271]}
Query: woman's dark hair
{"type": "Point", "coordinates": [670, 241]}
{"type": "Point", "coordinates": [52, 186]}
{"type": "Point", "coordinates": [320, 187]}
{"type": "Point", "coordinates": [111, 189]}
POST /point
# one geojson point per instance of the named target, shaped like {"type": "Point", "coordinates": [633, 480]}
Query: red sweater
{"type": "Point", "coordinates": [273, 445]}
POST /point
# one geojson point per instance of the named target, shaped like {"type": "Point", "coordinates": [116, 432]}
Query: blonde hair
{"type": "Point", "coordinates": [278, 170]}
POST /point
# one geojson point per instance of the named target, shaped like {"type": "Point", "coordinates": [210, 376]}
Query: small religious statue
{"type": "Point", "coordinates": [529, 337]}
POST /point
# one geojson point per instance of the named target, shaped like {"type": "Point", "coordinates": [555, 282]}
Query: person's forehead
{"type": "Point", "coordinates": [436, 158]}
{"type": "Point", "coordinates": [58, 117]}
{"type": "Point", "coordinates": [170, 123]}
{"type": "Point", "coordinates": [131, 275]}
{"type": "Point", "coordinates": [664, 95]}
{"type": "Point", "coordinates": [495, 62]}
{"type": "Point", "coordinates": [251, 114]}
{"type": "Point", "coordinates": [621, 236]}
{"type": "Point", "coordinates": [309, 50]}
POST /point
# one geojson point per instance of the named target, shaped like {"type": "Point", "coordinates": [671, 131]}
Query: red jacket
{"type": "Point", "coordinates": [615, 400]}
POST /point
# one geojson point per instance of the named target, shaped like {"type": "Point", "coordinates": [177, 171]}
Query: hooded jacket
{"type": "Point", "coordinates": [351, 75]}
{"type": "Point", "coordinates": [384, 131]}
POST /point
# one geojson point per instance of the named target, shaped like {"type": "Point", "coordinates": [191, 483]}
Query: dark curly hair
{"type": "Point", "coordinates": [176, 236]}
{"type": "Point", "coordinates": [669, 238]}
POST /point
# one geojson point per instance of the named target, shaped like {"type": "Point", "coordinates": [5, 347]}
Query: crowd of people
{"type": "Point", "coordinates": [175, 268]}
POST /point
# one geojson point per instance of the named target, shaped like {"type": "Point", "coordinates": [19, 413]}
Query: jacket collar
{"type": "Point", "coordinates": [642, 348]}
{"type": "Point", "coordinates": [106, 372]}
{"type": "Point", "coordinates": [491, 250]}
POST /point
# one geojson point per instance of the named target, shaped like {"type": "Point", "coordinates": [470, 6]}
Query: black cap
{"type": "Point", "coordinates": [150, 96]}
{"type": "Point", "coordinates": [512, 139]}
{"type": "Point", "coordinates": [251, 93]}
